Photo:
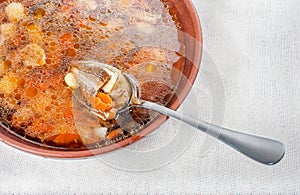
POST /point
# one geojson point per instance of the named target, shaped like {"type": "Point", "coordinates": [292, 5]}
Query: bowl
{"type": "Point", "coordinates": [190, 24]}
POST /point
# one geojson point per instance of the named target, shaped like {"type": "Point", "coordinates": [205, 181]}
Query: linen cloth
{"type": "Point", "coordinates": [253, 48]}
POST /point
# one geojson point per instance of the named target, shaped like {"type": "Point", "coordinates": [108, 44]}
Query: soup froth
{"type": "Point", "coordinates": [39, 40]}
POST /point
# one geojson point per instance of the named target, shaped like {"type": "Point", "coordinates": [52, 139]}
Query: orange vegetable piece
{"type": "Point", "coordinates": [35, 34]}
{"type": "Point", "coordinates": [114, 134]}
{"type": "Point", "coordinates": [103, 102]}
{"type": "Point", "coordinates": [66, 139]}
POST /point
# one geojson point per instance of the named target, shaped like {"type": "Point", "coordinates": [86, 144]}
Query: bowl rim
{"type": "Point", "coordinates": [8, 139]}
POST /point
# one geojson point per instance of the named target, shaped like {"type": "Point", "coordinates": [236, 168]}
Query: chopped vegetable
{"type": "Point", "coordinates": [15, 12]}
{"type": "Point", "coordinates": [114, 134]}
{"type": "Point", "coordinates": [33, 55]}
{"type": "Point", "coordinates": [108, 87]}
{"type": "Point", "coordinates": [35, 34]}
{"type": "Point", "coordinates": [101, 131]}
{"type": "Point", "coordinates": [71, 81]}
{"type": "Point", "coordinates": [66, 139]}
{"type": "Point", "coordinates": [9, 83]}
{"type": "Point", "coordinates": [8, 30]}
{"type": "Point", "coordinates": [103, 102]}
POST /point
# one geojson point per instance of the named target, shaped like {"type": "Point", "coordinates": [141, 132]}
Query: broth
{"type": "Point", "coordinates": [40, 39]}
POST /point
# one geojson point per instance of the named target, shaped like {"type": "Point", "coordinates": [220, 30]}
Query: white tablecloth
{"type": "Point", "coordinates": [253, 48]}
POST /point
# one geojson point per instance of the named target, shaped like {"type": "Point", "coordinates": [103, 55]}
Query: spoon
{"type": "Point", "coordinates": [263, 150]}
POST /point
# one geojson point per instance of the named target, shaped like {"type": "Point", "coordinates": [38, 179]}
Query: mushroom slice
{"type": "Point", "coordinates": [71, 80]}
{"type": "Point", "coordinates": [109, 86]}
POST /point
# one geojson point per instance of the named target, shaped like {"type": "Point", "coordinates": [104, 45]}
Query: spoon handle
{"type": "Point", "coordinates": [263, 150]}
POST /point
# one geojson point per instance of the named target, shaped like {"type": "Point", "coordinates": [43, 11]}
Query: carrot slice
{"type": "Point", "coordinates": [105, 98]}
{"type": "Point", "coordinates": [66, 139]}
{"type": "Point", "coordinates": [114, 134]}
{"type": "Point", "coordinates": [103, 102]}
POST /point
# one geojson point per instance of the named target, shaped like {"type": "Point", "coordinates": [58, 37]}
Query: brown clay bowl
{"type": "Point", "coordinates": [188, 18]}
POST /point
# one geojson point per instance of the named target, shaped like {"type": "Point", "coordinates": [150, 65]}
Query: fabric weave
{"type": "Point", "coordinates": [255, 45]}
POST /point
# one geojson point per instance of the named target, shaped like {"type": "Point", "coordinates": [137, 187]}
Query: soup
{"type": "Point", "coordinates": [39, 42]}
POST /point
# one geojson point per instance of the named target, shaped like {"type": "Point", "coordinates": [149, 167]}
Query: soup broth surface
{"type": "Point", "coordinates": [39, 40]}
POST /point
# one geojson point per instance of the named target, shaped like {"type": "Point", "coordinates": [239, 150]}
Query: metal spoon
{"type": "Point", "coordinates": [263, 150]}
